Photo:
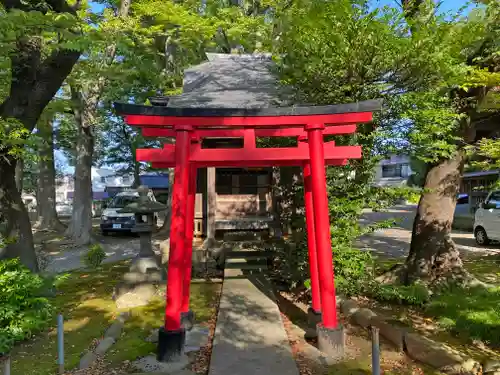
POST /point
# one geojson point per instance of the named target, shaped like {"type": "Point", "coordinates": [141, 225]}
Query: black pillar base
{"type": "Point", "coordinates": [313, 319]}
{"type": "Point", "coordinates": [170, 345]}
{"type": "Point", "coordinates": [187, 320]}
{"type": "Point", "coordinates": [313, 316]}
{"type": "Point", "coordinates": [331, 341]}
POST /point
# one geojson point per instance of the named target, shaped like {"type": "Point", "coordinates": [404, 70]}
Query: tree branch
{"type": "Point", "coordinates": [58, 6]}
{"type": "Point", "coordinates": [411, 8]}
{"type": "Point", "coordinates": [31, 93]}
{"type": "Point", "coordinates": [35, 82]}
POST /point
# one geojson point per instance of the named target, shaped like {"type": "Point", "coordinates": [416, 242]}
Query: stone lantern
{"type": "Point", "coordinates": [146, 270]}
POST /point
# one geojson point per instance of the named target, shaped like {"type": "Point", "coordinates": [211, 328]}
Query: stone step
{"type": "Point", "coordinates": [260, 260]}
{"type": "Point", "coordinates": [249, 254]}
{"type": "Point", "coordinates": [249, 260]}
{"type": "Point", "coordinates": [241, 266]}
{"type": "Point", "coordinates": [245, 265]}
{"type": "Point", "coordinates": [242, 236]}
{"type": "Point", "coordinates": [238, 273]}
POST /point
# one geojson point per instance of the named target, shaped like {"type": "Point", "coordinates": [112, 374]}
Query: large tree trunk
{"type": "Point", "coordinates": [86, 100]}
{"type": "Point", "coordinates": [18, 228]}
{"type": "Point", "coordinates": [137, 177]}
{"type": "Point", "coordinates": [34, 82]}
{"type": "Point", "coordinates": [137, 166]}
{"type": "Point", "coordinates": [19, 175]}
{"type": "Point", "coordinates": [46, 189]}
{"type": "Point", "coordinates": [80, 228]}
{"type": "Point", "coordinates": [433, 254]}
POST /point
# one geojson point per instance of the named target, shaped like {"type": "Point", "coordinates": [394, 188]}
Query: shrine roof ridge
{"type": "Point", "coordinates": [144, 110]}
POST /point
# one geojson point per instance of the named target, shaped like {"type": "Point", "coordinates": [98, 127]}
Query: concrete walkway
{"type": "Point", "coordinates": [250, 338]}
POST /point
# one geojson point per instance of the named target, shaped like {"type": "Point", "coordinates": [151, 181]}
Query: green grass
{"type": "Point", "coordinates": [466, 314]}
{"type": "Point", "coordinates": [85, 300]}
{"type": "Point", "coordinates": [472, 313]}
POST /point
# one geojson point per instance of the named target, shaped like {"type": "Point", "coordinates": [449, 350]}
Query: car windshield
{"type": "Point", "coordinates": [494, 199]}
{"type": "Point", "coordinates": [122, 200]}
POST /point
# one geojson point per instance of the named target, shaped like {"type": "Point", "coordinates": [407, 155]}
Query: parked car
{"type": "Point", "coordinates": [487, 219]}
{"type": "Point", "coordinates": [114, 221]}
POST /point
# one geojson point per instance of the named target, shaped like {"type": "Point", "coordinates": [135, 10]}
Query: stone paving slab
{"type": "Point", "coordinates": [250, 337]}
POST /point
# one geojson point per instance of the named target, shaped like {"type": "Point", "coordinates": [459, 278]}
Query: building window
{"type": "Point", "coordinates": [248, 184]}
{"type": "Point", "coordinates": [126, 179]}
{"type": "Point", "coordinates": [223, 182]}
{"type": "Point", "coordinates": [103, 180]}
{"type": "Point", "coordinates": [395, 170]}
{"type": "Point", "coordinates": [246, 181]}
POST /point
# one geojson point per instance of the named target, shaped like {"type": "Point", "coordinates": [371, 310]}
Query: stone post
{"type": "Point", "coordinates": [139, 283]}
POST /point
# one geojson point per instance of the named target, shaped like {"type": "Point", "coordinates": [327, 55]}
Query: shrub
{"type": "Point", "coordinates": [290, 262]}
{"type": "Point", "coordinates": [23, 311]}
{"type": "Point", "coordinates": [415, 294]}
{"type": "Point", "coordinates": [94, 256]}
{"type": "Point", "coordinates": [352, 269]}
{"type": "Point", "coordinates": [291, 266]}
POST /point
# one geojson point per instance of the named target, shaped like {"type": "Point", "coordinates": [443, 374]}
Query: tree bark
{"type": "Point", "coordinates": [80, 228]}
{"type": "Point", "coordinates": [133, 152]}
{"type": "Point", "coordinates": [85, 100]}
{"type": "Point", "coordinates": [137, 173]}
{"type": "Point", "coordinates": [18, 228]}
{"type": "Point", "coordinates": [34, 83]}
{"type": "Point", "coordinates": [46, 189]}
{"type": "Point", "coordinates": [433, 254]}
{"type": "Point", "coordinates": [19, 175]}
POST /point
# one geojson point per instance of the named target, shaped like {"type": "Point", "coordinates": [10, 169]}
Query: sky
{"type": "Point", "coordinates": [446, 6]}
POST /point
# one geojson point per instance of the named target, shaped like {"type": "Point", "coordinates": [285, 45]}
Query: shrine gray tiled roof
{"type": "Point", "coordinates": [230, 81]}
{"type": "Point", "coordinates": [236, 85]}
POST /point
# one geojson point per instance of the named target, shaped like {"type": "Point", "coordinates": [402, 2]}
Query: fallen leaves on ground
{"type": "Point", "coordinates": [357, 352]}
{"type": "Point", "coordinates": [101, 367]}
{"type": "Point", "coordinates": [201, 362]}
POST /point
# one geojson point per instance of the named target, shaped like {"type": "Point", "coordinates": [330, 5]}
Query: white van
{"type": "Point", "coordinates": [114, 221]}
{"type": "Point", "coordinates": [487, 219]}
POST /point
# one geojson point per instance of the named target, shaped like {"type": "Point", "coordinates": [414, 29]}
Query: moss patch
{"type": "Point", "coordinates": [132, 344]}
{"type": "Point", "coordinates": [85, 300]}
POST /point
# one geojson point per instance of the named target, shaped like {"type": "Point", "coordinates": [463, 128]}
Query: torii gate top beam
{"type": "Point", "coordinates": [276, 117]}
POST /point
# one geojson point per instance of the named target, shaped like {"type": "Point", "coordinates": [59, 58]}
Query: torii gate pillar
{"type": "Point", "coordinates": [330, 333]}
{"type": "Point", "coordinates": [172, 333]}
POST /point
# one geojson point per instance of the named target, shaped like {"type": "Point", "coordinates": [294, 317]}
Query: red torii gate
{"type": "Point", "coordinates": [189, 126]}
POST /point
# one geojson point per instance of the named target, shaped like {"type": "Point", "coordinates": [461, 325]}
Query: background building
{"type": "Point", "coordinates": [106, 183]}
{"type": "Point", "coordinates": [393, 171]}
